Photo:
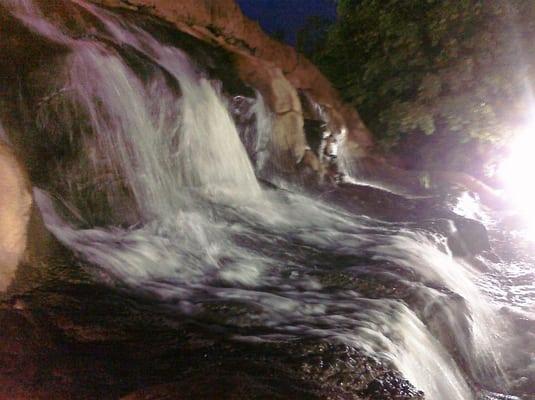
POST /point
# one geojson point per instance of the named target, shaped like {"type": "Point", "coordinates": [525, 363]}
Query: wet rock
{"type": "Point", "coordinates": [23, 49]}
{"type": "Point", "coordinates": [465, 237]}
{"type": "Point", "coordinates": [391, 386]}
{"type": "Point", "coordinates": [208, 386]}
{"type": "Point", "coordinates": [471, 237]}
{"type": "Point", "coordinates": [314, 131]}
{"type": "Point", "coordinates": [69, 338]}
{"type": "Point", "coordinates": [288, 142]}
{"type": "Point", "coordinates": [274, 69]}
{"type": "Point", "coordinates": [26, 346]}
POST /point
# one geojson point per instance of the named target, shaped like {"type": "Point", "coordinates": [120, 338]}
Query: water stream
{"type": "Point", "coordinates": [208, 233]}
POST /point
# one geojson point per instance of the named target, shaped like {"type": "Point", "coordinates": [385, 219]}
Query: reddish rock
{"type": "Point", "coordinates": [15, 211]}
{"type": "Point", "coordinates": [273, 68]}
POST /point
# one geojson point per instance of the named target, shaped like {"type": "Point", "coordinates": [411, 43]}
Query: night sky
{"type": "Point", "coordinates": [286, 15]}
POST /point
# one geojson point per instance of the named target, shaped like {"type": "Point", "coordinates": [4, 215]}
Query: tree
{"type": "Point", "coordinates": [312, 35]}
{"type": "Point", "coordinates": [458, 69]}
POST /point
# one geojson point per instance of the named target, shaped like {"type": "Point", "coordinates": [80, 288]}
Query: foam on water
{"type": "Point", "coordinates": [415, 250]}
{"type": "Point", "coordinates": [209, 233]}
{"type": "Point", "coordinates": [193, 259]}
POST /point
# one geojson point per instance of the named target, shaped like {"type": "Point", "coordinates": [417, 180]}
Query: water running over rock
{"type": "Point", "coordinates": [154, 135]}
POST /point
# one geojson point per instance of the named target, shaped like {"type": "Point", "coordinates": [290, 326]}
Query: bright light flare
{"type": "Point", "coordinates": [518, 174]}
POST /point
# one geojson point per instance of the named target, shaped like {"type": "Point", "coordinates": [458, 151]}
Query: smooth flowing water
{"type": "Point", "coordinates": [206, 232]}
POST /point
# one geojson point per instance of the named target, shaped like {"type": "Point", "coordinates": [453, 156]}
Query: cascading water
{"type": "Point", "coordinates": [256, 130]}
{"type": "Point", "coordinates": [208, 233]}
{"type": "Point", "coordinates": [435, 265]}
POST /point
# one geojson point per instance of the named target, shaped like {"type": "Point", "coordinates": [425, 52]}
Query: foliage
{"type": "Point", "coordinates": [460, 68]}
{"type": "Point", "coordinates": [312, 36]}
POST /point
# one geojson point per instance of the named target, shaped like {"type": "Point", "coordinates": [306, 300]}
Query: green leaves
{"type": "Point", "coordinates": [451, 67]}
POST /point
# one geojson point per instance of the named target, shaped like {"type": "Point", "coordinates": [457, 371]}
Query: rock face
{"type": "Point", "coordinates": [276, 70]}
{"type": "Point", "coordinates": [15, 210]}
{"type": "Point", "coordinates": [291, 86]}
{"type": "Point", "coordinates": [289, 141]}
{"type": "Point", "coordinates": [23, 237]}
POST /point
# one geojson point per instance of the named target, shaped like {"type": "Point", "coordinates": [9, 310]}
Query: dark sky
{"type": "Point", "coordinates": [286, 15]}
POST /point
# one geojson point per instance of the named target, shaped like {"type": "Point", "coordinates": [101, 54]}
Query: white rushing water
{"type": "Point", "coordinates": [258, 135]}
{"type": "Point", "coordinates": [414, 250]}
{"type": "Point", "coordinates": [210, 233]}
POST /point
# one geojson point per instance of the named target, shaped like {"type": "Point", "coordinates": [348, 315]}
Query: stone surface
{"type": "Point", "coordinates": [288, 141]}
{"type": "Point", "coordinates": [273, 68]}
{"type": "Point", "coordinates": [66, 336]}
{"type": "Point", "coordinates": [15, 211]}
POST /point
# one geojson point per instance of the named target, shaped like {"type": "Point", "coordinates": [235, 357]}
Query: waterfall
{"type": "Point", "coordinates": [209, 233]}
{"type": "Point", "coordinates": [137, 125]}
{"type": "Point", "coordinates": [414, 250]}
{"type": "Point", "coordinates": [209, 152]}
{"type": "Point", "coordinates": [182, 260]}
{"type": "Point", "coordinates": [258, 135]}
{"type": "Point", "coordinates": [162, 142]}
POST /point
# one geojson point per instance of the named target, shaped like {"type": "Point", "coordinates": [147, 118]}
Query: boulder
{"type": "Point", "coordinates": [15, 212]}
{"type": "Point", "coordinates": [289, 143]}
